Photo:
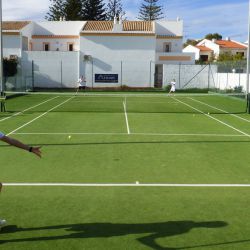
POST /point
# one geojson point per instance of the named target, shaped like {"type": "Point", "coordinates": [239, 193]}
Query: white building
{"type": "Point", "coordinates": [208, 49]}
{"type": "Point", "coordinates": [107, 53]}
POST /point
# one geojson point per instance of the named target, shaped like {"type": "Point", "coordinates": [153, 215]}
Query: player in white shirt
{"type": "Point", "coordinates": [18, 144]}
{"type": "Point", "coordinates": [172, 89]}
{"type": "Point", "coordinates": [81, 83]}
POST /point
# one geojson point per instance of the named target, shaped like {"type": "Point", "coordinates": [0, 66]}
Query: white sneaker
{"type": "Point", "coordinates": [2, 223]}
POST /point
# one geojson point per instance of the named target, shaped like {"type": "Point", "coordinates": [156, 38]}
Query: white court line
{"type": "Point", "coordinates": [69, 133]}
{"type": "Point", "coordinates": [27, 123]}
{"type": "Point", "coordinates": [137, 184]}
{"type": "Point", "coordinates": [16, 114]}
{"type": "Point", "coordinates": [205, 135]}
{"type": "Point", "coordinates": [226, 112]}
{"type": "Point", "coordinates": [224, 123]}
{"type": "Point", "coordinates": [142, 134]}
{"type": "Point", "coordinates": [126, 116]}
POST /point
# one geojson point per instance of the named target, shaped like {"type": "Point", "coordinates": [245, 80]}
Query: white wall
{"type": "Point", "coordinates": [51, 69]}
{"type": "Point", "coordinates": [211, 45]}
{"type": "Point", "coordinates": [189, 76]}
{"type": "Point", "coordinates": [57, 27]}
{"type": "Point", "coordinates": [230, 80]}
{"type": "Point", "coordinates": [168, 27]}
{"type": "Point", "coordinates": [54, 44]}
{"type": "Point", "coordinates": [176, 45]}
{"type": "Point", "coordinates": [192, 49]}
{"type": "Point", "coordinates": [12, 45]}
{"type": "Point", "coordinates": [128, 56]}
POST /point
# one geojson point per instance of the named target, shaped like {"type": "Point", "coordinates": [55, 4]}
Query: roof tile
{"type": "Point", "coordinates": [127, 26]}
{"type": "Point", "coordinates": [14, 25]}
{"type": "Point", "coordinates": [230, 44]}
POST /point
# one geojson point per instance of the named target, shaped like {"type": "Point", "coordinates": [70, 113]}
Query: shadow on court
{"type": "Point", "coordinates": [70, 143]}
{"type": "Point", "coordinates": [106, 230]}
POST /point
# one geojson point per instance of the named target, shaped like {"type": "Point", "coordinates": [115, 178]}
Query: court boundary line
{"type": "Point", "coordinates": [143, 134]}
{"type": "Point", "coordinates": [136, 184]}
{"type": "Point", "coordinates": [226, 112]}
{"type": "Point", "coordinates": [208, 115]}
{"type": "Point", "coordinates": [126, 116]}
{"type": "Point", "coordinates": [16, 114]}
{"type": "Point", "coordinates": [36, 118]}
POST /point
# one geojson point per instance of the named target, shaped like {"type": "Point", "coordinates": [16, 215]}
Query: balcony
{"type": "Point", "coordinates": [174, 58]}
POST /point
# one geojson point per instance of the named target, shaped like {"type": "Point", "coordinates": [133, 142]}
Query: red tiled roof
{"type": "Point", "coordinates": [203, 48]}
{"type": "Point", "coordinates": [14, 25]}
{"type": "Point", "coordinates": [127, 26]}
{"type": "Point", "coordinates": [230, 44]}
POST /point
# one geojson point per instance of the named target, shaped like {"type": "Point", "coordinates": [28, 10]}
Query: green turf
{"type": "Point", "coordinates": [172, 140]}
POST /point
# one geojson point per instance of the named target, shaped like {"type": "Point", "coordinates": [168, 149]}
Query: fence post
{"type": "Point", "coordinates": [208, 83]}
{"type": "Point", "coordinates": [92, 72]}
{"type": "Point", "coordinates": [32, 75]}
{"type": "Point", "coordinates": [150, 72]}
{"type": "Point", "coordinates": [180, 75]}
{"type": "Point", "coordinates": [61, 76]}
{"type": "Point", "coordinates": [248, 103]}
{"type": "Point", "coordinates": [121, 73]}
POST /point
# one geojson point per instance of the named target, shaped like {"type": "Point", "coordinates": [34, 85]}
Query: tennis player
{"type": "Point", "coordinates": [172, 89]}
{"type": "Point", "coordinates": [18, 144]}
{"type": "Point", "coordinates": [82, 83]}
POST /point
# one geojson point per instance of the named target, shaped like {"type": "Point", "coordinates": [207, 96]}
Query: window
{"type": "Point", "coordinates": [70, 47]}
{"type": "Point", "coordinates": [167, 47]}
{"type": "Point", "coordinates": [240, 53]}
{"type": "Point", "coordinates": [204, 58]}
{"type": "Point", "coordinates": [46, 46]}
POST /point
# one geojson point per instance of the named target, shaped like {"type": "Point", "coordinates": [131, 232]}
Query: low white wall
{"type": "Point", "coordinates": [231, 80]}
{"type": "Point", "coordinates": [51, 69]}
{"type": "Point", "coordinates": [189, 76]}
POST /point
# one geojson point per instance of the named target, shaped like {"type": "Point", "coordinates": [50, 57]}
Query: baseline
{"type": "Point", "coordinates": [136, 184]}
{"type": "Point", "coordinates": [142, 134]}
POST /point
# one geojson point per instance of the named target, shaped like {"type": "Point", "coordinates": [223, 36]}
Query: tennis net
{"type": "Point", "coordinates": [130, 103]}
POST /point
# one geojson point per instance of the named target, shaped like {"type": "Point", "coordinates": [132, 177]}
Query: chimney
{"type": "Point", "coordinates": [115, 19]}
{"type": "Point", "coordinates": [118, 27]}
{"type": "Point", "coordinates": [120, 19]}
{"type": "Point", "coordinates": [214, 40]}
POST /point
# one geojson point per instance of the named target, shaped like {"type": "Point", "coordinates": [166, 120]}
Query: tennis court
{"type": "Point", "coordinates": [126, 171]}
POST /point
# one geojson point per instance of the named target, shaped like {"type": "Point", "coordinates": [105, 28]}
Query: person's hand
{"type": "Point", "coordinates": [37, 151]}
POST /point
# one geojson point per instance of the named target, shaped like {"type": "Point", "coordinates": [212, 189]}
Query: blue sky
{"type": "Point", "coordinates": [227, 17]}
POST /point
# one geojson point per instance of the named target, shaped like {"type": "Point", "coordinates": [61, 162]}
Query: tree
{"type": "Point", "coordinates": [150, 11]}
{"type": "Point", "coordinates": [56, 10]}
{"type": "Point", "coordinates": [114, 8]}
{"type": "Point", "coordinates": [93, 10]}
{"type": "Point", "coordinates": [211, 36]}
{"type": "Point", "coordinates": [73, 10]}
{"type": "Point", "coordinates": [190, 42]}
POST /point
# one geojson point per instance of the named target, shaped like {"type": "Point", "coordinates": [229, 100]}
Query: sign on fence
{"type": "Point", "coordinates": [106, 78]}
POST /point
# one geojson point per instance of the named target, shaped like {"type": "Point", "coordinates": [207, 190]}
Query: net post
{"type": "Point", "coordinates": [248, 103]}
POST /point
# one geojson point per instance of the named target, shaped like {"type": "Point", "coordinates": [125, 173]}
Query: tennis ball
{"type": "Point", "coordinates": [69, 137]}
{"type": "Point", "coordinates": [208, 113]}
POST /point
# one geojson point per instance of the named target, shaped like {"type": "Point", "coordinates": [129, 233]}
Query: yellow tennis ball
{"type": "Point", "coordinates": [69, 137]}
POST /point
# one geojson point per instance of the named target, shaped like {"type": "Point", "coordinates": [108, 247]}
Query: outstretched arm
{"type": "Point", "coordinates": [18, 144]}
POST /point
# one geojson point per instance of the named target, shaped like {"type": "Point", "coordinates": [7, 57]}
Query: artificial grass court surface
{"type": "Point", "coordinates": [153, 140]}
